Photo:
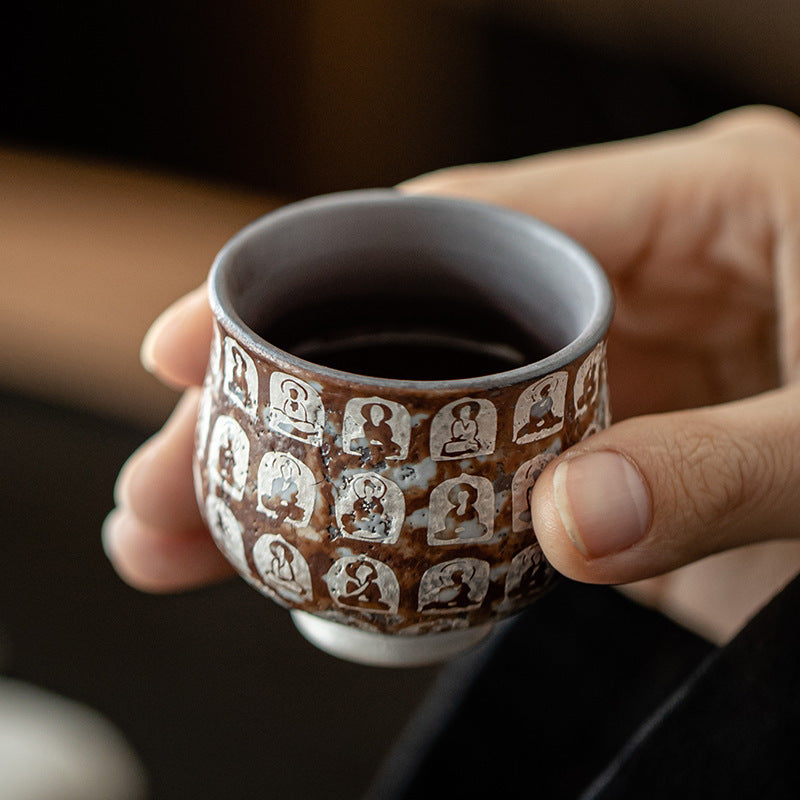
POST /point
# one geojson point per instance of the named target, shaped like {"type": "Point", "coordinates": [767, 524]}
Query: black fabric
{"type": "Point", "coordinates": [732, 730]}
{"type": "Point", "coordinates": [588, 695]}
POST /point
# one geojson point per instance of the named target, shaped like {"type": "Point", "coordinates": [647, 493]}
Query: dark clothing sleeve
{"type": "Point", "coordinates": [589, 695]}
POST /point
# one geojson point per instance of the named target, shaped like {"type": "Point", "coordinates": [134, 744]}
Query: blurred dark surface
{"type": "Point", "coordinates": [215, 689]}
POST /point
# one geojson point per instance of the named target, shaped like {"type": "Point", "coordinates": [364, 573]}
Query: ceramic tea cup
{"type": "Point", "coordinates": [388, 377]}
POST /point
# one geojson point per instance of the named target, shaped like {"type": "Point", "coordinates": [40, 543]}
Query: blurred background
{"type": "Point", "coordinates": [135, 138]}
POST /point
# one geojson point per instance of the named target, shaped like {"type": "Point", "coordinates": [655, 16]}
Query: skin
{"type": "Point", "coordinates": [699, 231]}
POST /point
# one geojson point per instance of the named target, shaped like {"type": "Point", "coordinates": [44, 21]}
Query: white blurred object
{"type": "Point", "coordinates": [56, 749]}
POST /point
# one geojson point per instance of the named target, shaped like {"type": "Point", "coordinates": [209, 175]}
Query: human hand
{"type": "Point", "coordinates": [155, 537]}
{"type": "Point", "coordinates": [700, 233]}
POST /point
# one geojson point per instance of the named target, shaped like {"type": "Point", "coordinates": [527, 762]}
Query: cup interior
{"type": "Point", "coordinates": [373, 282]}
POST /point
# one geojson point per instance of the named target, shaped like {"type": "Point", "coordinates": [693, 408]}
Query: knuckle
{"type": "Point", "coordinates": [720, 475]}
{"type": "Point", "coordinates": [785, 480]}
{"type": "Point", "coordinates": [772, 121]}
{"type": "Point", "coordinates": [451, 180]}
{"type": "Point", "coordinates": [768, 125]}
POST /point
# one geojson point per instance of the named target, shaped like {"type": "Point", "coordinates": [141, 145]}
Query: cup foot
{"type": "Point", "coordinates": [382, 649]}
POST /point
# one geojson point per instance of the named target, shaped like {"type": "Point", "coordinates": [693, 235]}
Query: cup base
{"type": "Point", "coordinates": [382, 649]}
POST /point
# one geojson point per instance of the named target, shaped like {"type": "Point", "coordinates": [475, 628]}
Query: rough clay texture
{"type": "Point", "coordinates": [388, 510]}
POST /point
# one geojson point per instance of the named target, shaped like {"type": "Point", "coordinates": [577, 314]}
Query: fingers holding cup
{"type": "Point", "coordinates": [155, 538]}
{"type": "Point", "coordinates": [657, 492]}
{"type": "Point", "coordinates": [175, 349]}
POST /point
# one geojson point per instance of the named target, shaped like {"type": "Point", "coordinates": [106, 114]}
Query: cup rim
{"type": "Point", "coordinates": [591, 335]}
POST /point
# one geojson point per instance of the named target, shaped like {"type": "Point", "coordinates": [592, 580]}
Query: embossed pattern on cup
{"type": "Point", "coordinates": [391, 507]}
{"type": "Point", "coordinates": [399, 513]}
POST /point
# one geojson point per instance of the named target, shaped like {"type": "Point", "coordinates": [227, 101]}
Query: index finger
{"type": "Point", "coordinates": [176, 347]}
{"type": "Point", "coordinates": [653, 199]}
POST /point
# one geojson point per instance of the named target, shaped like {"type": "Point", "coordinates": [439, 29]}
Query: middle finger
{"type": "Point", "coordinates": [156, 483]}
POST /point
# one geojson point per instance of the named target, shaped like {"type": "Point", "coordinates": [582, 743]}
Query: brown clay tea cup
{"type": "Point", "coordinates": [388, 377]}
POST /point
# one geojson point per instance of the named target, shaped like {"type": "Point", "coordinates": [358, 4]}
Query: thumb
{"type": "Point", "coordinates": [653, 493]}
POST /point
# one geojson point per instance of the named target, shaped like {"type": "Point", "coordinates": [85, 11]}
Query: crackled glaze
{"type": "Point", "coordinates": [338, 499]}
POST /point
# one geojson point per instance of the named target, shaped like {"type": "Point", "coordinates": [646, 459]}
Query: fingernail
{"type": "Point", "coordinates": [603, 502]}
{"type": "Point", "coordinates": [148, 353]}
{"type": "Point", "coordinates": [129, 469]}
{"type": "Point", "coordinates": [108, 534]}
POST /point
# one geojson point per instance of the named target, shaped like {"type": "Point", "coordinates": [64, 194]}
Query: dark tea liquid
{"type": "Point", "coordinates": [446, 342]}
